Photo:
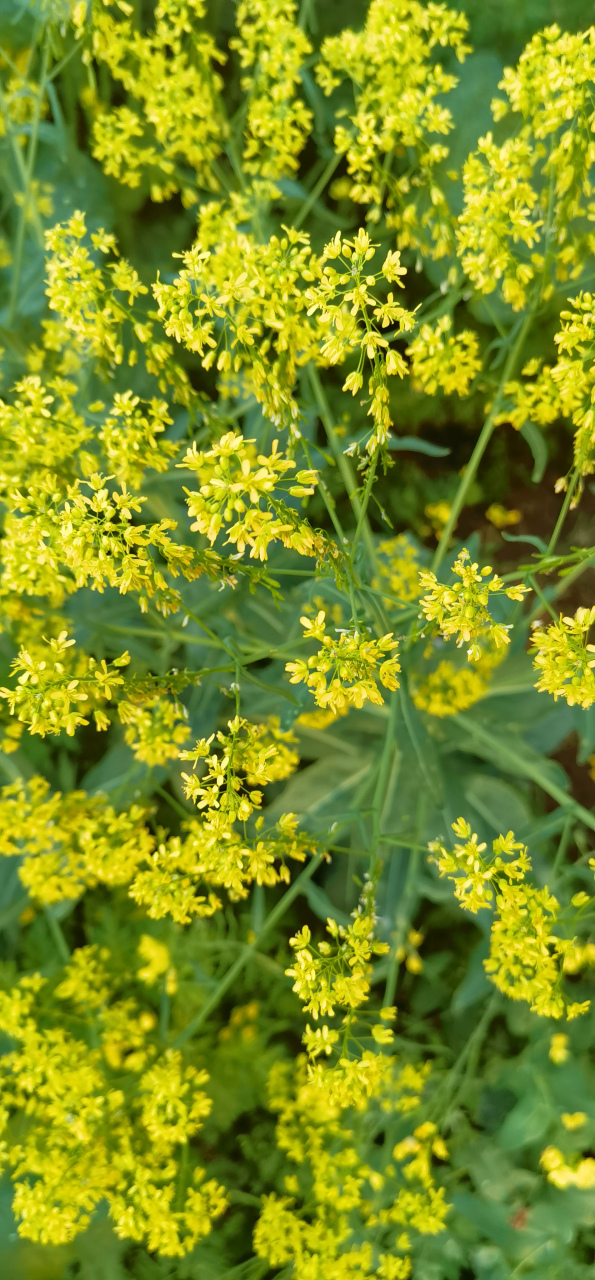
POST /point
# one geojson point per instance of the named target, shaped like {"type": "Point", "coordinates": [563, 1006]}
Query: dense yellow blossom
{"type": "Point", "coordinates": [258, 293]}
{"type": "Point", "coordinates": [86, 296]}
{"type": "Point", "coordinates": [345, 672]}
{"type": "Point", "coordinates": [398, 89]}
{"type": "Point", "coordinates": [527, 959]}
{"type": "Point", "coordinates": [56, 692]}
{"type": "Point", "coordinates": [155, 728]}
{"type": "Point", "coordinates": [335, 973]}
{"type": "Point", "coordinates": [398, 564]}
{"type": "Point", "coordinates": [234, 479]}
{"type": "Point", "coordinates": [174, 120]}
{"type": "Point", "coordinates": [164, 424]}
{"type": "Point", "coordinates": [526, 200]}
{"type": "Point", "coordinates": [441, 359]}
{"type": "Point", "coordinates": [338, 1206]}
{"type": "Point", "coordinates": [103, 1123]}
{"type": "Point", "coordinates": [461, 610]}
{"type": "Point", "coordinates": [352, 318]}
{"type": "Point", "coordinates": [448, 689]}
{"type": "Point", "coordinates": [245, 758]}
{"type": "Point", "coordinates": [563, 658]}
{"type": "Point", "coordinates": [273, 48]}
{"type": "Point", "coordinates": [69, 842]}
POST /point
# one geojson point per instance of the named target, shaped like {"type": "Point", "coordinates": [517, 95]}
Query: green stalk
{"type": "Point", "coordinates": [58, 938]}
{"type": "Point", "coordinates": [326, 174]}
{"type": "Point", "coordinates": [379, 801]}
{"type": "Point", "coordinates": [234, 971]}
{"type": "Point", "coordinates": [28, 177]}
{"type": "Point", "coordinates": [563, 513]}
{"type": "Point", "coordinates": [482, 443]}
{"type": "Point", "coordinates": [343, 462]}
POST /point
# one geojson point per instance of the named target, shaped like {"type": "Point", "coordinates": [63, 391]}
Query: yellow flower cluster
{"type": "Point", "coordinates": [398, 88]}
{"type": "Point", "coordinates": [172, 120]}
{"type": "Point", "coordinates": [537, 399]}
{"type": "Point", "coordinates": [343, 1216]}
{"type": "Point", "coordinates": [57, 542]}
{"type": "Point", "coordinates": [337, 972]}
{"type": "Point", "coordinates": [563, 658]}
{"type": "Point", "coordinates": [233, 481]}
{"type": "Point", "coordinates": [345, 672]}
{"type": "Point", "coordinates": [574, 377]}
{"type": "Point", "coordinates": [108, 1121]}
{"type": "Point", "coordinates": [441, 359]}
{"type": "Point", "coordinates": [58, 692]}
{"type": "Point", "coordinates": [158, 967]}
{"type": "Point", "coordinates": [461, 610]}
{"type": "Point", "coordinates": [87, 298]}
{"type": "Point", "coordinates": [255, 290]}
{"type": "Point", "coordinates": [129, 438]}
{"type": "Point", "coordinates": [448, 689]}
{"type": "Point", "coordinates": [352, 317]}
{"type": "Point", "coordinates": [398, 564]}
{"type": "Point", "coordinates": [526, 200]}
{"type": "Point", "coordinates": [68, 843]}
{"type": "Point", "coordinates": [246, 757]}
{"type": "Point", "coordinates": [213, 855]}
{"type": "Point", "coordinates": [156, 728]}
{"type": "Point", "coordinates": [274, 48]}
{"type": "Point", "coordinates": [563, 1174]}
{"type": "Point", "coordinates": [527, 960]}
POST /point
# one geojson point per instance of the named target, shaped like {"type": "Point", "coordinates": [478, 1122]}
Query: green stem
{"type": "Point", "coordinates": [562, 847]}
{"type": "Point", "coordinates": [482, 444]}
{"type": "Point", "coordinates": [563, 512]}
{"type": "Point", "coordinates": [402, 922]}
{"type": "Point", "coordinates": [58, 938]}
{"type": "Point", "coordinates": [341, 459]}
{"type": "Point", "coordinates": [469, 1054]}
{"type": "Point", "coordinates": [379, 801]}
{"type": "Point", "coordinates": [364, 505]}
{"type": "Point", "coordinates": [234, 971]}
{"type": "Point", "coordinates": [516, 763]}
{"type": "Point", "coordinates": [316, 190]}
{"type": "Point", "coordinates": [28, 177]}
{"type": "Point", "coordinates": [544, 600]}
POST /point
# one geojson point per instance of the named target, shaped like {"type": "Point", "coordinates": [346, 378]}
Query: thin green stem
{"type": "Point", "coordinates": [234, 971]}
{"type": "Point", "coordinates": [19, 247]}
{"type": "Point", "coordinates": [58, 938]}
{"type": "Point", "coordinates": [364, 508]}
{"type": "Point", "coordinates": [588, 562]}
{"type": "Point", "coordinates": [562, 847]}
{"type": "Point", "coordinates": [379, 801]}
{"type": "Point", "coordinates": [173, 804]}
{"type": "Point", "coordinates": [482, 443]}
{"type": "Point", "coordinates": [544, 600]}
{"type": "Point", "coordinates": [469, 1054]}
{"type": "Point", "coordinates": [563, 512]}
{"type": "Point", "coordinates": [341, 459]}
{"type": "Point", "coordinates": [402, 923]}
{"type": "Point", "coordinates": [326, 174]}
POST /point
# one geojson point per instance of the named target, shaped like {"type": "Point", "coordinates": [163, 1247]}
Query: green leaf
{"type": "Point", "coordinates": [415, 445]}
{"type": "Point", "coordinates": [526, 1123]}
{"type": "Point", "coordinates": [537, 444]}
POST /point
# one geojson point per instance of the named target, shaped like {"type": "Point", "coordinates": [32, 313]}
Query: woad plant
{"type": "Point", "coordinates": [297, 447]}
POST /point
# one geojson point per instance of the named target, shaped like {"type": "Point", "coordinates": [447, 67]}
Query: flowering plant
{"type": "Point", "coordinates": [281, 332]}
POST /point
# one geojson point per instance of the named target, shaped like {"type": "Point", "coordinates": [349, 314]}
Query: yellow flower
{"type": "Point", "coordinates": [461, 610]}
{"type": "Point", "coordinates": [564, 660]}
{"type": "Point", "coordinates": [345, 672]}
